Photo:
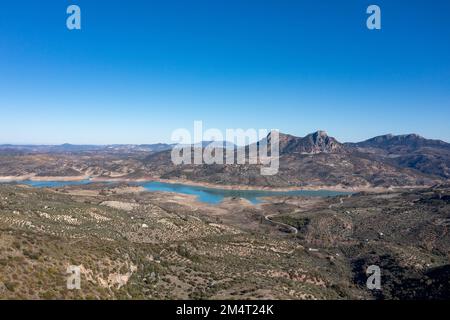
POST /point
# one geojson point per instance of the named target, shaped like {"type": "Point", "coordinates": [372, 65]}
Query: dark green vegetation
{"type": "Point", "coordinates": [134, 245]}
{"type": "Point", "coordinates": [298, 223]}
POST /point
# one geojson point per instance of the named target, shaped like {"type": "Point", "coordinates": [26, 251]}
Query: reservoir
{"type": "Point", "coordinates": [203, 194]}
{"type": "Point", "coordinates": [214, 196]}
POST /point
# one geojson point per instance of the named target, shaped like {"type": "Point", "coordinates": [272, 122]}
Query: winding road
{"type": "Point", "coordinates": [293, 229]}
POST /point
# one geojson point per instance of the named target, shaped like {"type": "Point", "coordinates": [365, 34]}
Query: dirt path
{"type": "Point", "coordinates": [293, 229]}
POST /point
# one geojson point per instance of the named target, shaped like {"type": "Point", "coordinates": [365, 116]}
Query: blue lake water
{"type": "Point", "coordinates": [214, 196]}
{"type": "Point", "coordinates": [53, 184]}
{"type": "Point", "coordinates": [204, 194]}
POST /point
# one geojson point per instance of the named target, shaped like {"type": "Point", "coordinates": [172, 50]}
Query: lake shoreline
{"type": "Point", "coordinates": [336, 188]}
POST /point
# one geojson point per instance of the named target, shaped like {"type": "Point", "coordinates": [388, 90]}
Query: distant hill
{"type": "Point", "coordinates": [75, 148]}
{"type": "Point", "coordinates": [401, 143]}
{"type": "Point", "coordinates": [410, 151]}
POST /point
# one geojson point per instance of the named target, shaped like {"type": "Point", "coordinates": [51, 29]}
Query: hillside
{"type": "Point", "coordinates": [410, 151]}
{"type": "Point", "coordinates": [133, 245]}
{"type": "Point", "coordinates": [314, 160]}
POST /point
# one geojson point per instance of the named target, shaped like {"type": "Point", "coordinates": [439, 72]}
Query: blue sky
{"type": "Point", "coordinates": [140, 69]}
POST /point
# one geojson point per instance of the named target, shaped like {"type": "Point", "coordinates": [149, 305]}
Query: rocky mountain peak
{"type": "Point", "coordinates": [320, 133]}
{"type": "Point", "coordinates": [317, 142]}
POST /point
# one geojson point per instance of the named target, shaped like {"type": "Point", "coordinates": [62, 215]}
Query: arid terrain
{"type": "Point", "coordinates": [135, 244]}
{"type": "Point", "coordinates": [140, 245]}
{"type": "Point", "coordinates": [316, 160]}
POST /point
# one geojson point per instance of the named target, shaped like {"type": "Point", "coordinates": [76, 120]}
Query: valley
{"type": "Point", "coordinates": [314, 161]}
{"type": "Point", "coordinates": [140, 245]}
{"type": "Point", "coordinates": [170, 244]}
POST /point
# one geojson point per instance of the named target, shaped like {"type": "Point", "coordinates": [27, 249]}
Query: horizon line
{"type": "Point", "coordinates": [174, 143]}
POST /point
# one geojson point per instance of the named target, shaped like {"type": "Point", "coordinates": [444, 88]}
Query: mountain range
{"type": "Point", "coordinates": [410, 151]}
{"type": "Point", "coordinates": [316, 160]}
{"type": "Point", "coordinates": [320, 160]}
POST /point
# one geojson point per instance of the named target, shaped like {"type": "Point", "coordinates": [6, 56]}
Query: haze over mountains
{"type": "Point", "coordinates": [67, 147]}
{"type": "Point", "coordinates": [314, 160]}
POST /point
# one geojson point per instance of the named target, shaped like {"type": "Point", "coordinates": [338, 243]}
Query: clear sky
{"type": "Point", "coordinates": [140, 69]}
